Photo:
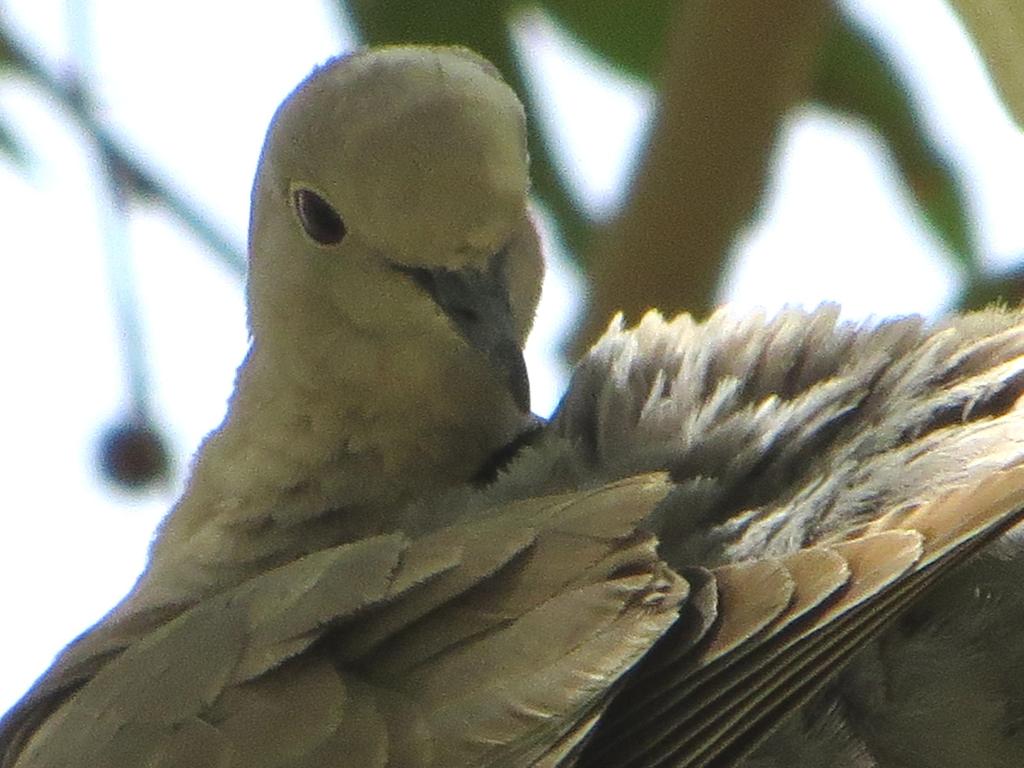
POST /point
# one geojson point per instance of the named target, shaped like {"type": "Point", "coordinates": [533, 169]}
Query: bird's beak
{"type": "Point", "coordinates": [477, 303]}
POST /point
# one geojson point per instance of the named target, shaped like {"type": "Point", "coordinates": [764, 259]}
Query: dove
{"type": "Point", "coordinates": [747, 541]}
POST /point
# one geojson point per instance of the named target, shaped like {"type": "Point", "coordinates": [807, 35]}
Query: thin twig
{"type": "Point", "coordinates": [143, 181]}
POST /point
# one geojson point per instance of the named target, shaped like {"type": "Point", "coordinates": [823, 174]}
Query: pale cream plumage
{"type": "Point", "coordinates": [705, 549]}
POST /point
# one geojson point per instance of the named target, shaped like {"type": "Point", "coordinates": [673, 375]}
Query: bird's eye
{"type": "Point", "coordinates": [318, 218]}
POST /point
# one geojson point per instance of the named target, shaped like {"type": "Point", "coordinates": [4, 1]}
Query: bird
{"type": "Point", "coordinates": [752, 540]}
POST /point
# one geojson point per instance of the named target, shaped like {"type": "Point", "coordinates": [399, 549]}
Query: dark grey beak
{"type": "Point", "coordinates": [477, 303]}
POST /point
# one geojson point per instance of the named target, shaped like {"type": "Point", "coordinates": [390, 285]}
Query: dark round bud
{"type": "Point", "coordinates": [134, 455]}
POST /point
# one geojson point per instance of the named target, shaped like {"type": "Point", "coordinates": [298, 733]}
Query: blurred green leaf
{"type": "Point", "coordinates": [483, 26]}
{"type": "Point", "coordinates": [7, 58]}
{"type": "Point", "coordinates": [856, 78]}
{"type": "Point", "coordinates": [13, 149]}
{"type": "Point", "coordinates": [997, 28]}
{"type": "Point", "coordinates": [630, 35]}
{"type": "Point", "coordinates": [1006, 288]}
{"type": "Point", "coordinates": [10, 146]}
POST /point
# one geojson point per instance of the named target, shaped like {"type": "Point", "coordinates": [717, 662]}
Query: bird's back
{"type": "Point", "coordinates": [795, 474]}
{"type": "Point", "coordinates": [800, 430]}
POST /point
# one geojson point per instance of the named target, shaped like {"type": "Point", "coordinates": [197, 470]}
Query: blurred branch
{"type": "Point", "coordinates": [143, 182]}
{"type": "Point", "coordinates": [856, 79]}
{"type": "Point", "coordinates": [733, 69]}
{"type": "Point", "coordinates": [997, 28]}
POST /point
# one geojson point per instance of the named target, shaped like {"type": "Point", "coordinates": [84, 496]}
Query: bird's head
{"type": "Point", "coordinates": [391, 203]}
{"type": "Point", "coordinates": [394, 271]}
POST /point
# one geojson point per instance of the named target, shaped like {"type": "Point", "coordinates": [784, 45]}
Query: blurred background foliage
{"type": "Point", "coordinates": [727, 73]}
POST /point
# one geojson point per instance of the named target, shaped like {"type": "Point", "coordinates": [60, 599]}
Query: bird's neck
{"type": "Point", "coordinates": [314, 452]}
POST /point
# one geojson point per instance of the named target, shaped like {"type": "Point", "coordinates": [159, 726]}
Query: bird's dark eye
{"type": "Point", "coordinates": [318, 218]}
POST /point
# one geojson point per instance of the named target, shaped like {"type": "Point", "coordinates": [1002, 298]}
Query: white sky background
{"type": "Point", "coordinates": [193, 84]}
